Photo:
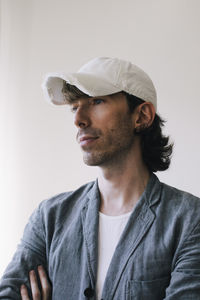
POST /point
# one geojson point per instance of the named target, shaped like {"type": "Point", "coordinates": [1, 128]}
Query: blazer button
{"type": "Point", "coordinates": [89, 292]}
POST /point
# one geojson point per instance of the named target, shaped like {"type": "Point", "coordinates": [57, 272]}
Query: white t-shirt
{"type": "Point", "coordinates": [110, 230]}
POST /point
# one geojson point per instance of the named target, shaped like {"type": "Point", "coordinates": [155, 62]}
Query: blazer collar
{"type": "Point", "coordinates": [139, 223]}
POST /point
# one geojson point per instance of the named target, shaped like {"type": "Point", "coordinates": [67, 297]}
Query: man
{"type": "Point", "coordinates": [126, 235]}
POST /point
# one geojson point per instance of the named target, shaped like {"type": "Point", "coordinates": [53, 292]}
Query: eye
{"type": "Point", "coordinates": [74, 108]}
{"type": "Point", "coordinates": [97, 101]}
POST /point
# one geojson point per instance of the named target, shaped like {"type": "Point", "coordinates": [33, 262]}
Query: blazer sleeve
{"type": "Point", "coordinates": [30, 253]}
{"type": "Point", "coordinates": [185, 277]}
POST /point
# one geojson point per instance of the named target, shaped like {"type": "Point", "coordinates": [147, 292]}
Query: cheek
{"type": "Point", "coordinates": [119, 132]}
{"type": "Point", "coordinates": [101, 116]}
{"type": "Point", "coordinates": [112, 124]}
{"type": "Point", "coordinates": [121, 124]}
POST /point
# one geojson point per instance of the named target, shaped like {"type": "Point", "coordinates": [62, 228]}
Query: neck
{"type": "Point", "coordinates": [121, 183]}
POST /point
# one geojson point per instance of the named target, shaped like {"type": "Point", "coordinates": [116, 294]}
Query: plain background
{"type": "Point", "coordinates": [39, 156]}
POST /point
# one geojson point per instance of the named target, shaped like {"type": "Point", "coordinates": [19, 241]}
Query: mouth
{"type": "Point", "coordinates": [87, 140]}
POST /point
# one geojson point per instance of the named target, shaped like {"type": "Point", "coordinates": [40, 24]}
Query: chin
{"type": "Point", "coordinates": [93, 160]}
{"type": "Point", "coordinates": [91, 163]}
{"type": "Point", "coordinates": [98, 160]}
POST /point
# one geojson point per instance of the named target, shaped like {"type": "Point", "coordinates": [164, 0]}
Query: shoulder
{"type": "Point", "coordinates": [179, 197]}
{"type": "Point", "coordinates": [67, 198]}
{"type": "Point", "coordinates": [54, 210]}
{"type": "Point", "coordinates": [179, 207]}
{"type": "Point", "coordinates": [55, 215]}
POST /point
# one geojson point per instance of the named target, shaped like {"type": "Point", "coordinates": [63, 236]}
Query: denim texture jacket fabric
{"type": "Point", "coordinates": [157, 257]}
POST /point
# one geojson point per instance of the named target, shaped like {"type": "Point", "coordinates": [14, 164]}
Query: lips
{"type": "Point", "coordinates": [86, 139]}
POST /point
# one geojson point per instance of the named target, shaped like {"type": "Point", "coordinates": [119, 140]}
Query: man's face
{"type": "Point", "coordinates": [105, 128]}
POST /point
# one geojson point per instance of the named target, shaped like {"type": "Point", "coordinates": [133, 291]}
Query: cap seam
{"type": "Point", "coordinates": [119, 71]}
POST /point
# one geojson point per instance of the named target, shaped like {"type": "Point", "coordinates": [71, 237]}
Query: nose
{"type": "Point", "coordinates": [81, 118]}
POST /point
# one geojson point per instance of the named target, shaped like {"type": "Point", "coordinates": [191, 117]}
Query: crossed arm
{"type": "Point", "coordinates": [45, 286]}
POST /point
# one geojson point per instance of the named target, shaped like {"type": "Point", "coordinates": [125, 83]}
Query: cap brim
{"type": "Point", "coordinates": [87, 83]}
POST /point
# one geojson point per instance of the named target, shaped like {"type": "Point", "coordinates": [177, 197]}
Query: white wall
{"type": "Point", "coordinates": [38, 153]}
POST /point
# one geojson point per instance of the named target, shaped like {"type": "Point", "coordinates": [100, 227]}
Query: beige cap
{"type": "Point", "coordinates": [102, 76]}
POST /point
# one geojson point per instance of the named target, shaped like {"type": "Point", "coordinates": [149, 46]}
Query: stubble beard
{"type": "Point", "coordinates": [118, 144]}
{"type": "Point", "coordinates": [105, 159]}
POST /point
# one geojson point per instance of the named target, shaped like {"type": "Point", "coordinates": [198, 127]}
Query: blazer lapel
{"type": "Point", "coordinates": [137, 227]}
{"type": "Point", "coordinates": [90, 222]}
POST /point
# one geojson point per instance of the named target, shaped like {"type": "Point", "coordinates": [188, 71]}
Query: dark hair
{"type": "Point", "coordinates": [155, 147]}
{"type": "Point", "coordinates": [71, 93]}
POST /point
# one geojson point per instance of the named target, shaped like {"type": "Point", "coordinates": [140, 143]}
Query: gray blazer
{"type": "Point", "coordinates": [157, 257]}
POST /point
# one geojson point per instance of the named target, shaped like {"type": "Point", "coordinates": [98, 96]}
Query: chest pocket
{"type": "Point", "coordinates": [146, 290]}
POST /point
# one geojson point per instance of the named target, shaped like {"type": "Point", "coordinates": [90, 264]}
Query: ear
{"type": "Point", "coordinates": [145, 114]}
